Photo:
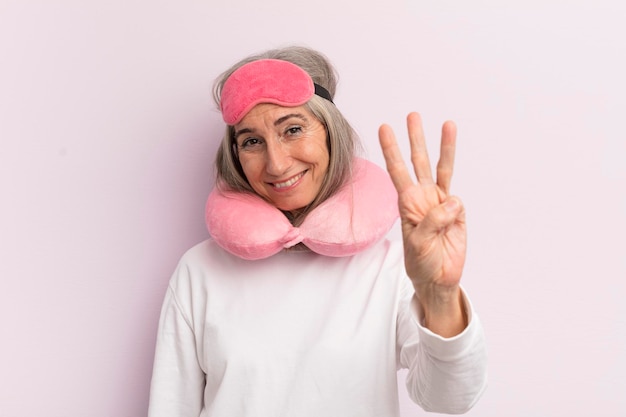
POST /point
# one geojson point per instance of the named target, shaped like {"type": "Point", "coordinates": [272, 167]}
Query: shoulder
{"type": "Point", "coordinates": [386, 252]}
{"type": "Point", "coordinates": [203, 259]}
{"type": "Point", "coordinates": [204, 252]}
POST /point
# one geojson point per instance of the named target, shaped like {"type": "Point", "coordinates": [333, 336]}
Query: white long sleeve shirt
{"type": "Point", "coordinates": [301, 334]}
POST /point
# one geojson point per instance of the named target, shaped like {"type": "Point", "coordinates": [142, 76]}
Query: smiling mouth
{"type": "Point", "coordinates": [291, 181]}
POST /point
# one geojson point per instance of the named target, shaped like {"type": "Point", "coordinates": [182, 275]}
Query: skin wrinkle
{"type": "Point", "coordinates": [276, 124]}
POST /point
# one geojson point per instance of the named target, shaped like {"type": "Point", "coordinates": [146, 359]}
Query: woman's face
{"type": "Point", "coordinates": [283, 153]}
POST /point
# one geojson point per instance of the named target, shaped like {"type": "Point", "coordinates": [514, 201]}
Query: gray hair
{"type": "Point", "coordinates": [343, 141]}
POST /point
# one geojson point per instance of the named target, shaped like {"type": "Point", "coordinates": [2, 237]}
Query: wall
{"type": "Point", "coordinates": [108, 130]}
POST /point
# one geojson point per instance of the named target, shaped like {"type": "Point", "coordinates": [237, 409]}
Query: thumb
{"type": "Point", "coordinates": [440, 217]}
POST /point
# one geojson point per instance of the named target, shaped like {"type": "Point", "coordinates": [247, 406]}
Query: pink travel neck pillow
{"type": "Point", "coordinates": [353, 219]}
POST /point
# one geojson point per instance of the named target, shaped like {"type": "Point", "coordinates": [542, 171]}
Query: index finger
{"type": "Point", "coordinates": [393, 159]}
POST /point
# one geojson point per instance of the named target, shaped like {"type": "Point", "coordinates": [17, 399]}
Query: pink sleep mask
{"type": "Point", "coordinates": [351, 220]}
{"type": "Point", "coordinates": [266, 81]}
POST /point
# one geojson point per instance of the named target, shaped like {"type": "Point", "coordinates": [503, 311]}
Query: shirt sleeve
{"type": "Point", "coordinates": [177, 380]}
{"type": "Point", "coordinates": [445, 375]}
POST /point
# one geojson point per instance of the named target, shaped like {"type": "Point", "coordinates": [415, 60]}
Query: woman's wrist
{"type": "Point", "coordinates": [443, 310]}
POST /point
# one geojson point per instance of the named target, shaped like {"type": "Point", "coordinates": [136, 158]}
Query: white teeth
{"type": "Point", "coordinates": [288, 182]}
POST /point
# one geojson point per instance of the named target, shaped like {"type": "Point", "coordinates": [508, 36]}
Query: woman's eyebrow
{"type": "Point", "coordinates": [289, 116]}
{"type": "Point", "coordinates": [242, 131]}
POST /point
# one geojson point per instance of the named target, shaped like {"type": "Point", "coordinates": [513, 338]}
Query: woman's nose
{"type": "Point", "coordinates": [278, 158]}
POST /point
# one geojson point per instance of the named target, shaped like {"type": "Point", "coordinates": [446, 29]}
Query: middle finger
{"type": "Point", "coordinates": [419, 153]}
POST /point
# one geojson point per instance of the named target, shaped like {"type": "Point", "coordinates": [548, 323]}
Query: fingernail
{"type": "Point", "coordinates": [451, 205]}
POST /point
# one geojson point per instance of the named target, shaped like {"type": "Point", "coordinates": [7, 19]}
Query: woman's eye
{"type": "Point", "coordinates": [250, 142]}
{"type": "Point", "coordinates": [294, 130]}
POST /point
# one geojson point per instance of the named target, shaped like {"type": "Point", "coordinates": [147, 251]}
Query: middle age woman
{"type": "Point", "coordinates": [298, 305]}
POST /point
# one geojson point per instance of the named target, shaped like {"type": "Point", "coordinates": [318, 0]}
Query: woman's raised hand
{"type": "Point", "coordinates": [433, 225]}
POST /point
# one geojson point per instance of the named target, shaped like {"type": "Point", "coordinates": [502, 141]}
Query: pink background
{"type": "Point", "coordinates": [108, 132]}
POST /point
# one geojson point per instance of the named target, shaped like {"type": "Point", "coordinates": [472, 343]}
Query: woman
{"type": "Point", "coordinates": [298, 305]}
